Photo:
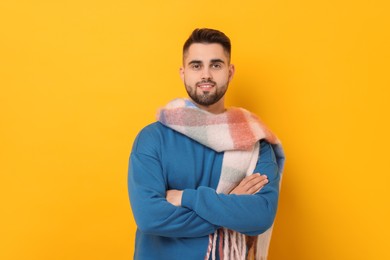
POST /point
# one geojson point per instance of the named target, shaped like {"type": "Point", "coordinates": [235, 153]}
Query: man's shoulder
{"type": "Point", "coordinates": [147, 138]}
{"type": "Point", "coordinates": [153, 130]}
{"type": "Point", "coordinates": [152, 127]}
{"type": "Point", "coordinates": [152, 134]}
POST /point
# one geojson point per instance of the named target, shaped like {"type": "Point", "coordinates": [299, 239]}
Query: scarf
{"type": "Point", "coordinates": [237, 133]}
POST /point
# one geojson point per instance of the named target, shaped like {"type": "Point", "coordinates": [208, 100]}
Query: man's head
{"type": "Point", "coordinates": [206, 70]}
{"type": "Point", "coordinates": [207, 36]}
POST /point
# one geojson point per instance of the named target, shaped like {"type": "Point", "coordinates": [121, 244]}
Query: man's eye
{"type": "Point", "coordinates": [196, 66]}
{"type": "Point", "coordinates": [217, 66]}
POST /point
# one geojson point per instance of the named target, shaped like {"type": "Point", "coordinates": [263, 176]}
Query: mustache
{"type": "Point", "coordinates": [206, 82]}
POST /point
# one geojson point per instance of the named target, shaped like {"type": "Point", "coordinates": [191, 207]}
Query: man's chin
{"type": "Point", "coordinates": [204, 98]}
{"type": "Point", "coordinates": [205, 102]}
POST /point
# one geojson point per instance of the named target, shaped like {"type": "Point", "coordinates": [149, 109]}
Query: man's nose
{"type": "Point", "coordinates": [206, 73]}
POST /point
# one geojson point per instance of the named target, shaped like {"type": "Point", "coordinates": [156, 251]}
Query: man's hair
{"type": "Point", "coordinates": [206, 35]}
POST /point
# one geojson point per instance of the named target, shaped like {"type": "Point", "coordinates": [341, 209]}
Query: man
{"type": "Point", "coordinates": [203, 179]}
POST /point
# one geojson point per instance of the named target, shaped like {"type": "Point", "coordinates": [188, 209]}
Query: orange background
{"type": "Point", "coordinates": [79, 79]}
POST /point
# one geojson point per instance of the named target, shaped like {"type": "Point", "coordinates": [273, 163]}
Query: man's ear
{"type": "Point", "coordinates": [181, 71]}
{"type": "Point", "coordinates": [232, 70]}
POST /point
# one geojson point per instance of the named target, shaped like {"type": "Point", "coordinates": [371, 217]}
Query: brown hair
{"type": "Point", "coordinates": [206, 35]}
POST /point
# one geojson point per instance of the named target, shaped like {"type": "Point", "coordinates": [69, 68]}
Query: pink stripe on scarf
{"type": "Point", "coordinates": [243, 137]}
{"type": "Point", "coordinates": [220, 249]}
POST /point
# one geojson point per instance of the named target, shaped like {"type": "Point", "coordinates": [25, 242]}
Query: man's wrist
{"type": "Point", "coordinates": [188, 198]}
{"type": "Point", "coordinates": [174, 197]}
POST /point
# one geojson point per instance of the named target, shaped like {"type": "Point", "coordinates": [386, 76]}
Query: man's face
{"type": "Point", "coordinates": [206, 73]}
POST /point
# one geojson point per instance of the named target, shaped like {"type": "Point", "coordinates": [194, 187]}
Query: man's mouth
{"type": "Point", "coordinates": [205, 86]}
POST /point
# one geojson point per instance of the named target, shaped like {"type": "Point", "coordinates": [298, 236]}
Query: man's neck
{"type": "Point", "coordinates": [217, 108]}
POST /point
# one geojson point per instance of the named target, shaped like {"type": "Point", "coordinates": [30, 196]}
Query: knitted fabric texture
{"type": "Point", "coordinates": [237, 133]}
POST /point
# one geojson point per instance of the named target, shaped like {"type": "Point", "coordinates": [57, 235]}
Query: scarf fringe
{"type": "Point", "coordinates": [232, 245]}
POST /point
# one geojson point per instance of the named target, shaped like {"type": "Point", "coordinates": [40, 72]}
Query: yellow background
{"type": "Point", "coordinates": [79, 79]}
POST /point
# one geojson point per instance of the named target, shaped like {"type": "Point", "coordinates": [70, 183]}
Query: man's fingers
{"type": "Point", "coordinates": [254, 180]}
{"type": "Point", "coordinates": [250, 184]}
{"type": "Point", "coordinates": [251, 178]}
{"type": "Point", "coordinates": [256, 188]}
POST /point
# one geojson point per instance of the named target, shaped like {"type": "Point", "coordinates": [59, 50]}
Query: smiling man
{"type": "Point", "coordinates": [204, 179]}
{"type": "Point", "coordinates": [206, 74]}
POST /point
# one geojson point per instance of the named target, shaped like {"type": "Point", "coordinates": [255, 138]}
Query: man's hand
{"type": "Point", "coordinates": [250, 184]}
{"type": "Point", "coordinates": [174, 197]}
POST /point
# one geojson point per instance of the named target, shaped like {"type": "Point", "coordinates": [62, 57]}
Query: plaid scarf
{"type": "Point", "coordinates": [236, 132]}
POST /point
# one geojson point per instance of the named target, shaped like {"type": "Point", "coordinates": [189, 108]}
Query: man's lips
{"type": "Point", "coordinates": [205, 86]}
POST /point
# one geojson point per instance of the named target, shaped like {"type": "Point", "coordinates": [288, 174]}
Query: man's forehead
{"type": "Point", "coordinates": [205, 52]}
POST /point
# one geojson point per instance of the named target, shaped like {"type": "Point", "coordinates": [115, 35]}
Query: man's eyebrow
{"type": "Point", "coordinates": [194, 62]}
{"type": "Point", "coordinates": [217, 60]}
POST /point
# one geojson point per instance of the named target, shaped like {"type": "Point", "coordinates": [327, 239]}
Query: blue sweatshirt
{"type": "Point", "coordinates": [163, 159]}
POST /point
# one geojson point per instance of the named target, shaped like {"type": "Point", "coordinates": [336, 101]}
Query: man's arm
{"type": "Point", "coordinates": [249, 214]}
{"type": "Point", "coordinates": [147, 190]}
{"type": "Point", "coordinates": [248, 186]}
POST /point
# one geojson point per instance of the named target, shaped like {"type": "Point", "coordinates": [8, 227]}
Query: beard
{"type": "Point", "coordinates": [206, 98]}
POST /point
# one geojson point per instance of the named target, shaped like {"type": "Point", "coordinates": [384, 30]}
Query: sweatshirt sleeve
{"type": "Point", "coordinates": [147, 189]}
{"type": "Point", "coordinates": [248, 214]}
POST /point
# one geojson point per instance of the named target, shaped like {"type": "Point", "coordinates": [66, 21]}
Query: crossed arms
{"type": "Point", "coordinates": [198, 212]}
{"type": "Point", "coordinates": [248, 186]}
